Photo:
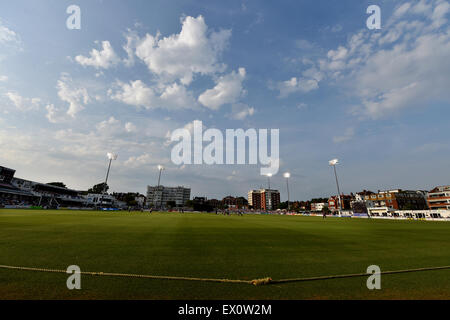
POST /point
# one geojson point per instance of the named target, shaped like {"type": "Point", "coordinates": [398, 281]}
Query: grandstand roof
{"type": "Point", "coordinates": [15, 191]}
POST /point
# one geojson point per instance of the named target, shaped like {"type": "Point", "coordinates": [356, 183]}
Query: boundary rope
{"type": "Point", "coordinates": [256, 282]}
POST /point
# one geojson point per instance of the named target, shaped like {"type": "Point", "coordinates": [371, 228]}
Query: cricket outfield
{"type": "Point", "coordinates": [202, 245]}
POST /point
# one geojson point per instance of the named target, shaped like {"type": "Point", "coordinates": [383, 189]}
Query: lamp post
{"type": "Point", "coordinates": [268, 179]}
{"type": "Point", "coordinates": [111, 157]}
{"type": "Point", "coordinates": [333, 163]}
{"type": "Point", "coordinates": [287, 175]}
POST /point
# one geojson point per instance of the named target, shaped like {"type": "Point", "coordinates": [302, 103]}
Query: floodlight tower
{"type": "Point", "coordinates": [160, 168]}
{"type": "Point", "coordinates": [333, 163]}
{"type": "Point", "coordinates": [111, 157]}
{"type": "Point", "coordinates": [287, 175]}
{"type": "Point", "coordinates": [268, 179]}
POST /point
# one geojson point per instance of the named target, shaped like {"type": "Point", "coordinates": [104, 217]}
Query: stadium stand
{"type": "Point", "coordinates": [11, 195]}
{"type": "Point", "coordinates": [16, 192]}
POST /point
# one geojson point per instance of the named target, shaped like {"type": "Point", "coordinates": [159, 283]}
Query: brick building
{"type": "Point", "coordinates": [333, 202]}
{"type": "Point", "coordinates": [235, 202]}
{"type": "Point", "coordinates": [264, 199]}
{"type": "Point", "coordinates": [397, 199]}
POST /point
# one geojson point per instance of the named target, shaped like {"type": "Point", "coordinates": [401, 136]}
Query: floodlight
{"type": "Point", "coordinates": [287, 175]}
{"type": "Point", "coordinates": [111, 156]}
{"type": "Point", "coordinates": [333, 162]}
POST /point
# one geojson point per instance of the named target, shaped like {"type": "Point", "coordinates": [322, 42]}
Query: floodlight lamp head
{"type": "Point", "coordinates": [287, 175]}
{"type": "Point", "coordinates": [269, 175]}
{"type": "Point", "coordinates": [160, 167]}
{"type": "Point", "coordinates": [333, 162]}
{"type": "Point", "coordinates": [111, 156]}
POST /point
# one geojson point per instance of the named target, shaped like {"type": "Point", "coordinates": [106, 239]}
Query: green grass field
{"type": "Point", "coordinates": [211, 246]}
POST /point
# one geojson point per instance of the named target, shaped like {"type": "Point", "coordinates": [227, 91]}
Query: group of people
{"type": "Point", "coordinates": [227, 212]}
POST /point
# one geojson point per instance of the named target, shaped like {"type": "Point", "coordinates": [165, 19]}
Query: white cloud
{"type": "Point", "coordinates": [336, 28]}
{"type": "Point", "coordinates": [304, 44]}
{"type": "Point", "coordinates": [113, 127]}
{"type": "Point", "coordinates": [130, 127]}
{"type": "Point", "coordinates": [172, 97]}
{"type": "Point", "coordinates": [138, 161]}
{"type": "Point", "coordinates": [313, 73]}
{"type": "Point", "coordinates": [297, 85]}
{"type": "Point", "coordinates": [338, 54]}
{"type": "Point", "coordinates": [403, 65]}
{"type": "Point", "coordinates": [107, 126]}
{"type": "Point", "coordinates": [392, 36]}
{"type": "Point", "coordinates": [401, 10]}
{"type": "Point", "coordinates": [99, 59]}
{"type": "Point", "coordinates": [422, 7]}
{"type": "Point", "coordinates": [406, 75]}
{"type": "Point", "coordinates": [439, 14]}
{"type": "Point", "coordinates": [136, 94]}
{"type": "Point", "coordinates": [175, 60]}
{"type": "Point", "coordinates": [196, 49]}
{"type": "Point", "coordinates": [3, 78]}
{"type": "Point", "coordinates": [129, 47]}
{"type": "Point", "coordinates": [228, 89]}
{"type": "Point", "coordinates": [9, 37]}
{"type": "Point", "coordinates": [79, 157]}
{"type": "Point", "coordinates": [76, 96]}
{"type": "Point", "coordinates": [240, 111]}
{"type": "Point", "coordinates": [176, 96]}
{"type": "Point", "coordinates": [54, 115]}
{"type": "Point", "coordinates": [22, 103]}
{"type": "Point", "coordinates": [346, 136]}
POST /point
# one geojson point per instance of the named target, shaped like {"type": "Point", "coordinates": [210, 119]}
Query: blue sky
{"type": "Point", "coordinates": [376, 99]}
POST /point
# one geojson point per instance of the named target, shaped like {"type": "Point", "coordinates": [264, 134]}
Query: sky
{"type": "Point", "coordinates": [376, 99]}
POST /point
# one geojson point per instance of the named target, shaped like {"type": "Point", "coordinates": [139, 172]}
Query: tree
{"type": "Point", "coordinates": [99, 188]}
{"type": "Point", "coordinates": [282, 205]}
{"type": "Point", "coordinates": [325, 210]}
{"type": "Point", "coordinates": [130, 200]}
{"type": "Point", "coordinates": [57, 184]}
{"type": "Point", "coordinates": [171, 204]}
{"type": "Point", "coordinates": [189, 203]}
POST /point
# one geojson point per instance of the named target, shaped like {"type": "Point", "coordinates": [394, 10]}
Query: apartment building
{"type": "Point", "coordinates": [159, 195]}
{"type": "Point", "coordinates": [264, 199]}
{"type": "Point", "coordinates": [439, 198]}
